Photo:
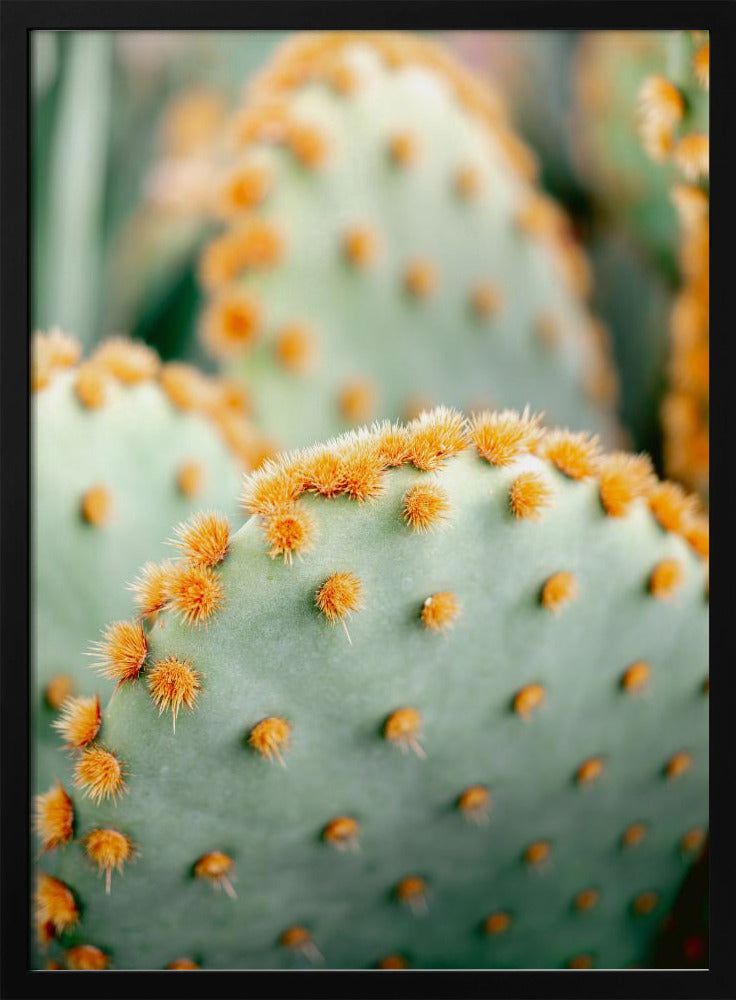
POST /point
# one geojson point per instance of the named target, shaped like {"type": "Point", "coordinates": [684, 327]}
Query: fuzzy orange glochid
{"type": "Point", "coordinates": [425, 506]}
{"type": "Point", "coordinates": [173, 683]}
{"type": "Point", "coordinates": [270, 737]}
{"type": "Point", "coordinates": [403, 728]}
{"type": "Point", "coordinates": [204, 540]}
{"type": "Point", "coordinates": [501, 438]}
{"type": "Point", "coordinates": [217, 868]}
{"type": "Point", "coordinates": [340, 595]}
{"type": "Point", "coordinates": [109, 850]}
{"type": "Point", "coordinates": [54, 817]}
{"type": "Point", "coordinates": [121, 652]}
{"type": "Point", "coordinates": [79, 721]}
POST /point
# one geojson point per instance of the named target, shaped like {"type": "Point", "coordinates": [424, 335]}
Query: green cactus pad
{"type": "Point", "coordinates": [610, 68]}
{"type": "Point", "coordinates": [686, 410]}
{"type": "Point", "coordinates": [388, 249]}
{"type": "Point", "coordinates": [116, 464]}
{"type": "Point", "coordinates": [646, 115]}
{"type": "Point", "coordinates": [478, 673]}
{"type": "Point", "coordinates": [627, 178]}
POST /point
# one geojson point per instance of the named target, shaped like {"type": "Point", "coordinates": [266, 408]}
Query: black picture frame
{"type": "Point", "coordinates": [18, 19]}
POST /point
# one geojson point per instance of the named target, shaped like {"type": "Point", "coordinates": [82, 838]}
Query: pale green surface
{"type": "Point", "coordinates": [45, 61]}
{"type": "Point", "coordinates": [133, 446]}
{"type": "Point", "coordinates": [270, 652]}
{"type": "Point", "coordinates": [68, 272]}
{"type": "Point", "coordinates": [365, 322]}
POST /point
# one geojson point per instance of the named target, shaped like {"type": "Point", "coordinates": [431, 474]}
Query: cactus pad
{"type": "Point", "coordinates": [124, 449]}
{"type": "Point", "coordinates": [675, 131]}
{"type": "Point", "coordinates": [610, 68]}
{"type": "Point", "coordinates": [445, 706]}
{"type": "Point", "coordinates": [386, 249]}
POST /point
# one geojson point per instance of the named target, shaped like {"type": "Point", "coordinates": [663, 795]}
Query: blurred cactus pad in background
{"type": "Point", "coordinates": [360, 639]}
{"type": "Point", "coordinates": [387, 249]}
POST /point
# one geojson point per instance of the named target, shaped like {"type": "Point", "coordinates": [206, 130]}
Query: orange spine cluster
{"type": "Point", "coordinates": [119, 363]}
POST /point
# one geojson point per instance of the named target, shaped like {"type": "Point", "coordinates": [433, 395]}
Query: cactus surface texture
{"type": "Point", "coordinates": [645, 111]}
{"type": "Point", "coordinates": [675, 131]}
{"type": "Point", "coordinates": [386, 248]}
{"type": "Point", "coordinates": [123, 450]}
{"type": "Point", "coordinates": [629, 187]}
{"type": "Point", "coordinates": [440, 702]}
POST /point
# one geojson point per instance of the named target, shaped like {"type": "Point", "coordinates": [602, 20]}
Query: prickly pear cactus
{"type": "Point", "coordinates": [123, 450]}
{"type": "Point", "coordinates": [645, 111]}
{"type": "Point", "coordinates": [441, 702]}
{"type": "Point", "coordinates": [629, 188]}
{"type": "Point", "coordinates": [673, 107]}
{"type": "Point", "coordinates": [386, 248]}
{"type": "Point", "coordinates": [674, 129]}
{"type": "Point", "coordinates": [686, 409]}
{"type": "Point", "coordinates": [642, 124]}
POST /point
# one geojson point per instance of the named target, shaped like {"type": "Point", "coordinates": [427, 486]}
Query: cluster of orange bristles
{"type": "Point", "coordinates": [97, 770]}
{"type": "Point", "coordinates": [79, 721]}
{"type": "Point", "coordinates": [109, 850]}
{"type": "Point", "coordinates": [270, 738]}
{"type": "Point", "coordinates": [355, 465]}
{"type": "Point", "coordinates": [125, 362]}
{"type": "Point", "coordinates": [685, 411]}
{"type": "Point", "coordinates": [217, 868]}
{"type": "Point", "coordinates": [254, 244]}
{"type": "Point", "coordinates": [663, 107]}
{"type": "Point", "coordinates": [235, 319]}
{"type": "Point", "coordinates": [56, 908]}
{"type": "Point", "coordinates": [318, 56]}
{"type": "Point", "coordinates": [244, 187]}
{"type": "Point", "coordinates": [425, 506]}
{"type": "Point", "coordinates": [54, 818]}
{"type": "Point", "coordinates": [51, 352]}
{"type": "Point", "coordinates": [339, 596]}
{"type": "Point", "coordinates": [190, 587]}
